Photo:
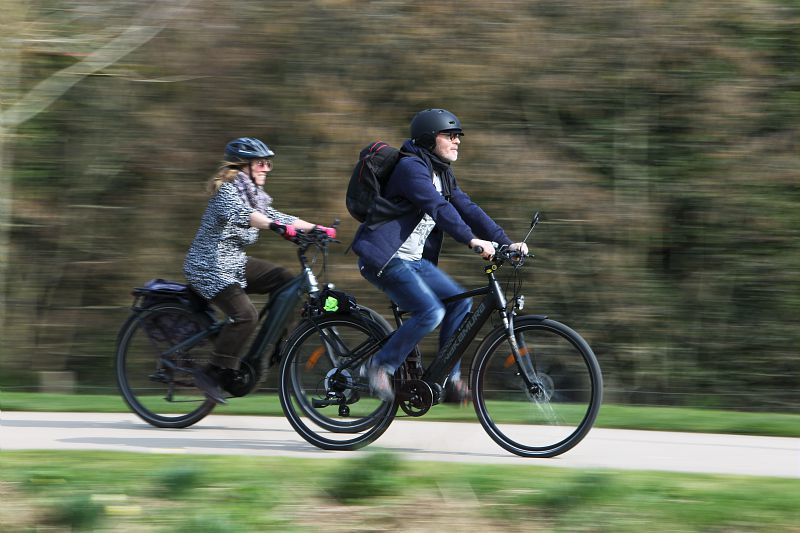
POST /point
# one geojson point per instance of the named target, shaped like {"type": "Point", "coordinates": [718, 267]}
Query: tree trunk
{"type": "Point", "coordinates": [13, 15]}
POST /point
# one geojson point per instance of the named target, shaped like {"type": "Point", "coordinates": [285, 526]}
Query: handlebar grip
{"type": "Point", "coordinates": [287, 231]}
{"type": "Point", "coordinates": [479, 249]}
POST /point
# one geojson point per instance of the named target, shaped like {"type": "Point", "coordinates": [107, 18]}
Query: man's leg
{"type": "Point", "coordinates": [444, 287]}
{"type": "Point", "coordinates": [402, 283]}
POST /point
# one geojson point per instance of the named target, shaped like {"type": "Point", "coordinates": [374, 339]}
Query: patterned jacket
{"type": "Point", "coordinates": [216, 258]}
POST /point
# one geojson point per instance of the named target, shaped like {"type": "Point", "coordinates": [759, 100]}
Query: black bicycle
{"type": "Point", "coordinates": [169, 336]}
{"type": "Point", "coordinates": [536, 384]}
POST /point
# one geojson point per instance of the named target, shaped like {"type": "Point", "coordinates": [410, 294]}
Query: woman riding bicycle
{"type": "Point", "coordinates": [216, 265]}
{"type": "Point", "coordinates": [399, 256]}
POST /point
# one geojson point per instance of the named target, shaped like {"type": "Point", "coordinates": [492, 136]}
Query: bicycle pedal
{"type": "Point", "coordinates": [331, 399]}
{"type": "Point", "coordinates": [158, 377]}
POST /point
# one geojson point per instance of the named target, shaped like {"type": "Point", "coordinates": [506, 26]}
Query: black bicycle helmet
{"type": "Point", "coordinates": [426, 124]}
{"type": "Point", "coordinates": [245, 149]}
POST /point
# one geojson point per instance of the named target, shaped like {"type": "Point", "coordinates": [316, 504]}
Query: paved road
{"type": "Point", "coordinates": [414, 439]}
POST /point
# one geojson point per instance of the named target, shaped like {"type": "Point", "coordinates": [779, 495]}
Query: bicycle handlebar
{"type": "Point", "coordinates": [503, 254]}
{"type": "Point", "coordinates": [318, 236]}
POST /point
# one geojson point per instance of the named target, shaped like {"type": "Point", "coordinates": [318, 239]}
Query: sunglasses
{"type": "Point", "coordinates": [453, 135]}
{"type": "Point", "coordinates": [263, 163]}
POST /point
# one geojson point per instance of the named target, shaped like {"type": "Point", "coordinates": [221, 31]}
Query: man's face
{"type": "Point", "coordinates": [447, 145]}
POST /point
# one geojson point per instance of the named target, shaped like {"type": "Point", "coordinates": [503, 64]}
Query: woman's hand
{"type": "Point", "coordinates": [287, 231]}
{"type": "Point", "coordinates": [330, 232]}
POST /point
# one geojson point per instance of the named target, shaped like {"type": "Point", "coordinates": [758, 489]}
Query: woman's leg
{"type": "Point", "coordinates": [264, 277]}
{"type": "Point", "coordinates": [233, 301]}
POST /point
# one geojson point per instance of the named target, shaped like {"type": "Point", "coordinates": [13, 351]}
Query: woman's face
{"type": "Point", "coordinates": [259, 169]}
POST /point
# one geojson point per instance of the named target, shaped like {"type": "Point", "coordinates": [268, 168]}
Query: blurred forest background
{"type": "Point", "coordinates": [659, 139]}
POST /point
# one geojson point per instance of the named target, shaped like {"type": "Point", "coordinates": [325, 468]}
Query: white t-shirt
{"type": "Point", "coordinates": [411, 250]}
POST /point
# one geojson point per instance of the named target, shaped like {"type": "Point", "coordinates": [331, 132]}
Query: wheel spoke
{"type": "Point", "coordinates": [155, 380]}
{"type": "Point", "coordinates": [323, 393]}
{"type": "Point", "coordinates": [542, 402]}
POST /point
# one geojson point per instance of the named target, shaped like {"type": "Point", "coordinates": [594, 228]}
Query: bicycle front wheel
{"type": "Point", "coordinates": [322, 392]}
{"type": "Point", "coordinates": [158, 387]}
{"type": "Point", "coordinates": [544, 403]}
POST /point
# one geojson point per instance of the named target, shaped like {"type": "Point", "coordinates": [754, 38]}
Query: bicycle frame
{"type": "Point", "coordinates": [493, 301]}
{"type": "Point", "coordinates": [277, 313]}
{"type": "Point", "coordinates": [273, 317]}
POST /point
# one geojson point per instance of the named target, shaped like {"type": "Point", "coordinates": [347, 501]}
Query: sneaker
{"type": "Point", "coordinates": [456, 391]}
{"type": "Point", "coordinates": [380, 383]}
{"type": "Point", "coordinates": [207, 380]}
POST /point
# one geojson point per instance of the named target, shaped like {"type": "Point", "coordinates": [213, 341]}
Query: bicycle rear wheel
{"type": "Point", "coordinates": [555, 408]}
{"type": "Point", "coordinates": [322, 392]}
{"type": "Point", "coordinates": [160, 389]}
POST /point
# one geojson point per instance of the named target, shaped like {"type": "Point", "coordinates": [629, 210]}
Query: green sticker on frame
{"type": "Point", "coordinates": [331, 304]}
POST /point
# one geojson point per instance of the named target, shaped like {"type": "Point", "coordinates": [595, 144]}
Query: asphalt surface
{"type": "Point", "coordinates": [414, 439]}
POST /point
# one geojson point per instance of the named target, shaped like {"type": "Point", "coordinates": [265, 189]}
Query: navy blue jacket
{"type": "Point", "coordinates": [411, 181]}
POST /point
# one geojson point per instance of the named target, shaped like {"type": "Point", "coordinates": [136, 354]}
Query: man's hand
{"type": "Point", "coordinates": [520, 247]}
{"type": "Point", "coordinates": [487, 248]}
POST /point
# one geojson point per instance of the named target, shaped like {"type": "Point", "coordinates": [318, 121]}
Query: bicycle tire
{"type": "Point", "coordinates": [161, 396]}
{"type": "Point", "coordinates": [556, 413]}
{"type": "Point", "coordinates": [380, 328]}
{"type": "Point", "coordinates": [315, 390]}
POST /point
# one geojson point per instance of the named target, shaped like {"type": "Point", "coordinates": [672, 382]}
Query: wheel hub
{"type": "Point", "coordinates": [340, 382]}
{"type": "Point", "coordinates": [542, 389]}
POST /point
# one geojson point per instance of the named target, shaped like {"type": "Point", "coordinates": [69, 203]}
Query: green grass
{"type": "Point", "coordinates": [611, 416]}
{"type": "Point", "coordinates": [375, 491]}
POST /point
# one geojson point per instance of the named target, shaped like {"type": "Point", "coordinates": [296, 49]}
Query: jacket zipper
{"type": "Point", "coordinates": [380, 272]}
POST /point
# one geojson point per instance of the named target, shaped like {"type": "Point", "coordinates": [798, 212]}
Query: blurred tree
{"type": "Point", "coordinates": [92, 53]}
{"type": "Point", "coordinates": [659, 139]}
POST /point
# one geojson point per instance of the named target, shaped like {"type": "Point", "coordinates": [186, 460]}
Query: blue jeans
{"type": "Point", "coordinates": [419, 288]}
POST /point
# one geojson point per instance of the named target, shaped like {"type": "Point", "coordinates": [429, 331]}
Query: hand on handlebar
{"type": "Point", "coordinates": [520, 247]}
{"type": "Point", "coordinates": [287, 231]}
{"type": "Point", "coordinates": [485, 248]}
{"type": "Point", "coordinates": [330, 232]}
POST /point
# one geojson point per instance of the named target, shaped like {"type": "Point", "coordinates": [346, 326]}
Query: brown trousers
{"type": "Point", "coordinates": [262, 277]}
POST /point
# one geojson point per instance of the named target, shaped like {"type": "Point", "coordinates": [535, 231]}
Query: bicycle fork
{"type": "Point", "coordinates": [521, 354]}
{"type": "Point", "coordinates": [523, 357]}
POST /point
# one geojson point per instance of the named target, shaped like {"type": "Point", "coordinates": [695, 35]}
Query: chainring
{"type": "Point", "coordinates": [240, 382]}
{"type": "Point", "coordinates": [416, 397]}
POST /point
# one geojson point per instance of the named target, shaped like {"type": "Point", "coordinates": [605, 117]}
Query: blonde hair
{"type": "Point", "coordinates": [226, 173]}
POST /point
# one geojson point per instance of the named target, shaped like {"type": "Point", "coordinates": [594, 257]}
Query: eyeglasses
{"type": "Point", "coordinates": [453, 135]}
{"type": "Point", "coordinates": [265, 163]}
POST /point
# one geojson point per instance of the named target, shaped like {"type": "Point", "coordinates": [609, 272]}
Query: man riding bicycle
{"type": "Point", "coordinates": [399, 256]}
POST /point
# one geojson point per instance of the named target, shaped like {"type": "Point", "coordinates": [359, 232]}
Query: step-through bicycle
{"type": "Point", "coordinates": [169, 335]}
{"type": "Point", "coordinates": [536, 383]}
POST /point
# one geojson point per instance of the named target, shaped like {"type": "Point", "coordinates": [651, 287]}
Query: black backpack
{"type": "Point", "coordinates": [364, 198]}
